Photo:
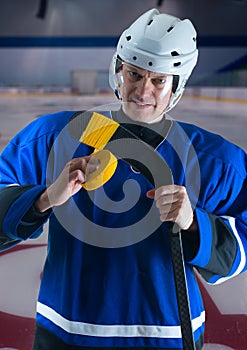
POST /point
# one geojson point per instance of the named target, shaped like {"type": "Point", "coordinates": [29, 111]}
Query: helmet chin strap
{"type": "Point", "coordinates": [117, 93]}
{"type": "Point", "coordinates": [173, 101]}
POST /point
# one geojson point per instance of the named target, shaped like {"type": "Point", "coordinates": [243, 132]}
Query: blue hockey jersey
{"type": "Point", "coordinates": [108, 279]}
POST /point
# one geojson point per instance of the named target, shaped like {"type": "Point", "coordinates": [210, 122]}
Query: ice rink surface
{"type": "Point", "coordinates": [20, 268]}
{"type": "Point", "coordinates": [224, 117]}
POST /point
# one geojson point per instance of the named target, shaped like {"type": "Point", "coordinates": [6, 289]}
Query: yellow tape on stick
{"type": "Point", "coordinates": [99, 131]}
{"type": "Point", "coordinates": [106, 169]}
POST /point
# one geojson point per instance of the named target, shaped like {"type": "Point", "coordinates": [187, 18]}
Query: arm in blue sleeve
{"type": "Point", "coordinates": [222, 242]}
{"type": "Point", "coordinates": [18, 218]}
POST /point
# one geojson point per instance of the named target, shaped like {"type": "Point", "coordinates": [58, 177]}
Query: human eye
{"type": "Point", "coordinates": [134, 76]}
{"type": "Point", "coordinates": [160, 80]}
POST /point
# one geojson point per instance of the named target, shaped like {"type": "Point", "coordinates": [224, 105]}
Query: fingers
{"type": "Point", "coordinates": [173, 204]}
{"type": "Point", "coordinates": [80, 168]}
{"type": "Point", "coordinates": [83, 163]}
{"type": "Point", "coordinates": [150, 194]}
{"type": "Point", "coordinates": [68, 182]}
{"type": "Point", "coordinates": [168, 195]}
{"type": "Point", "coordinates": [92, 165]}
{"type": "Point", "coordinates": [169, 200]}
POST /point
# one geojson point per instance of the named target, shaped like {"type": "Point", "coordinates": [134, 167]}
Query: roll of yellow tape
{"type": "Point", "coordinates": [106, 169]}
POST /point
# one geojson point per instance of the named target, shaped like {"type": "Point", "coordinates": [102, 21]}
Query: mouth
{"type": "Point", "coordinates": [142, 105]}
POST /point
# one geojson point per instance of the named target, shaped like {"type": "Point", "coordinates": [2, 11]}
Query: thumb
{"type": "Point", "coordinates": [150, 194]}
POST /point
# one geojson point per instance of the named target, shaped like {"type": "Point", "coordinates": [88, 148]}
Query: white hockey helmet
{"type": "Point", "coordinates": [159, 43]}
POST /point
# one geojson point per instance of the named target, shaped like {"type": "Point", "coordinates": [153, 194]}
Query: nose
{"type": "Point", "coordinates": [144, 88]}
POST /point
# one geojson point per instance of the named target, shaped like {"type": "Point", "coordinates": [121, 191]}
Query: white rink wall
{"type": "Point", "coordinates": [218, 93]}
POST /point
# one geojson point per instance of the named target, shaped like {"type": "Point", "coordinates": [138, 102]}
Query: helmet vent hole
{"type": "Point", "coordinates": [169, 29]}
{"type": "Point", "coordinates": [128, 38]}
{"type": "Point", "coordinates": [150, 22]}
{"type": "Point", "coordinates": [134, 58]}
{"type": "Point", "coordinates": [194, 39]}
{"type": "Point", "coordinates": [150, 63]}
{"type": "Point", "coordinates": [176, 64]}
{"type": "Point", "coordinates": [174, 53]}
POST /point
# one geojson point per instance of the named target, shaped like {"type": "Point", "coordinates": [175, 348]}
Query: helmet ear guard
{"type": "Point", "coordinates": [175, 83]}
{"type": "Point", "coordinates": [159, 43]}
{"type": "Point", "coordinates": [114, 70]}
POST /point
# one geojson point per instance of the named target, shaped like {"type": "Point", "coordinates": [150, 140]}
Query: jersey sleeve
{"type": "Point", "coordinates": [222, 222]}
{"type": "Point", "coordinates": [28, 165]}
{"type": "Point", "coordinates": [22, 180]}
{"type": "Point", "coordinates": [18, 218]}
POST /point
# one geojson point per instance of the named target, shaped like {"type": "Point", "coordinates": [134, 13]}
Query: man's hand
{"type": "Point", "coordinates": [67, 184]}
{"type": "Point", "coordinates": [173, 204]}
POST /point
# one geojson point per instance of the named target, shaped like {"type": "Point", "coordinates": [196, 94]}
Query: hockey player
{"type": "Point", "coordinates": [117, 291]}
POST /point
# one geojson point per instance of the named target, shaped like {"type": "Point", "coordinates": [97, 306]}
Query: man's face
{"type": "Point", "coordinates": [145, 95]}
